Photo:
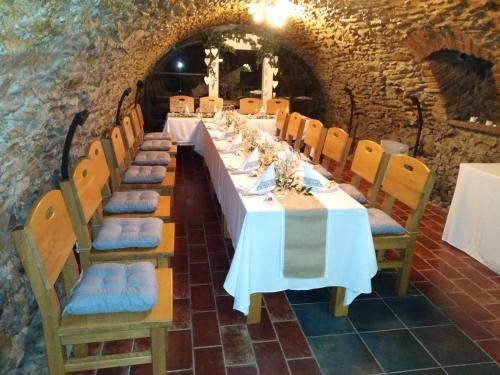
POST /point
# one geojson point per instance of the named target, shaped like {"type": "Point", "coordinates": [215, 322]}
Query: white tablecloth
{"type": "Point", "coordinates": [473, 223]}
{"type": "Point", "coordinates": [187, 130]}
{"type": "Point", "coordinates": [256, 228]}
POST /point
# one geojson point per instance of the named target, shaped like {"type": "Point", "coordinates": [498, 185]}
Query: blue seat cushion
{"type": "Point", "coordinates": [323, 171]}
{"type": "Point", "coordinates": [147, 174]}
{"type": "Point", "coordinates": [114, 287]}
{"type": "Point", "coordinates": [156, 145]}
{"type": "Point", "coordinates": [353, 192]}
{"type": "Point", "coordinates": [156, 136]}
{"type": "Point", "coordinates": [152, 158]}
{"type": "Point", "coordinates": [132, 201]}
{"type": "Point", "coordinates": [118, 233]}
{"type": "Point", "coordinates": [381, 223]}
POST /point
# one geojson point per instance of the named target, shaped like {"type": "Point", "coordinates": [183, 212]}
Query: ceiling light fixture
{"type": "Point", "coordinates": [274, 12]}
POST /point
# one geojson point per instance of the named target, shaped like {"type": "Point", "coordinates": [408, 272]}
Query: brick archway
{"type": "Point", "coordinates": [423, 42]}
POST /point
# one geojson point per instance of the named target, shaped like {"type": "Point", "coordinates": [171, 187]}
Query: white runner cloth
{"type": "Point", "coordinates": [473, 223]}
{"type": "Point", "coordinates": [256, 227]}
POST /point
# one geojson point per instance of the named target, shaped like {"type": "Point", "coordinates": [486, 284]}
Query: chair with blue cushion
{"type": "Point", "coordinates": [313, 141]}
{"type": "Point", "coordinates": [295, 130]}
{"type": "Point", "coordinates": [137, 304]}
{"type": "Point", "coordinates": [130, 203]}
{"type": "Point", "coordinates": [335, 149]}
{"type": "Point", "coordinates": [408, 181]}
{"type": "Point", "coordinates": [369, 164]}
{"type": "Point", "coordinates": [137, 119]}
{"type": "Point", "coordinates": [110, 239]}
{"type": "Point", "coordinates": [138, 156]}
{"type": "Point", "coordinates": [125, 176]}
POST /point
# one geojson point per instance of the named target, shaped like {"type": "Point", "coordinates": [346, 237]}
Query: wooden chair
{"type": "Point", "coordinates": [295, 129]}
{"type": "Point", "coordinates": [314, 140]}
{"type": "Point", "coordinates": [369, 164]}
{"type": "Point", "coordinates": [281, 124]}
{"type": "Point", "coordinates": [178, 103]}
{"type": "Point", "coordinates": [119, 162]}
{"type": "Point", "coordinates": [84, 201]}
{"type": "Point", "coordinates": [410, 182]}
{"type": "Point", "coordinates": [133, 147]}
{"type": "Point", "coordinates": [273, 105]}
{"type": "Point", "coordinates": [210, 104]}
{"type": "Point", "coordinates": [250, 106]}
{"type": "Point", "coordinates": [336, 148]}
{"type": "Point", "coordinates": [137, 121]}
{"type": "Point", "coordinates": [45, 246]}
{"type": "Point", "coordinates": [95, 152]}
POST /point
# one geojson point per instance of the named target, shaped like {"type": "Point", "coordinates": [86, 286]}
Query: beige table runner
{"type": "Point", "coordinates": [305, 236]}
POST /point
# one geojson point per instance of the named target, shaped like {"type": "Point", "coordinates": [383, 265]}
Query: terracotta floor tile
{"type": "Point", "coordinates": [424, 253]}
{"type": "Point", "coordinates": [227, 315]}
{"type": "Point", "coordinates": [494, 309]}
{"type": "Point", "coordinates": [434, 294]}
{"type": "Point", "coordinates": [471, 307]}
{"type": "Point", "coordinates": [427, 242]}
{"type": "Point", "coordinates": [420, 264]}
{"type": "Point", "coordinates": [196, 236]}
{"type": "Point", "coordinates": [205, 329]}
{"type": "Point", "coordinates": [119, 346]}
{"type": "Point", "coordinates": [209, 361]}
{"type": "Point", "coordinates": [215, 243]}
{"type": "Point", "coordinates": [263, 330]}
{"type": "Point", "coordinates": [218, 280]}
{"type": "Point", "coordinates": [242, 370]}
{"type": "Point", "coordinates": [218, 261]}
{"type": "Point", "coordinates": [440, 280]}
{"type": "Point", "coordinates": [474, 291]}
{"type": "Point", "coordinates": [492, 347]}
{"type": "Point", "coordinates": [237, 345]}
{"type": "Point", "coordinates": [472, 328]}
{"type": "Point", "coordinates": [194, 222]}
{"type": "Point", "coordinates": [416, 275]}
{"type": "Point", "coordinates": [445, 269]}
{"type": "Point", "coordinates": [492, 326]}
{"type": "Point", "coordinates": [197, 254]}
{"type": "Point", "coordinates": [179, 354]}
{"type": "Point", "coordinates": [181, 286]}
{"type": "Point", "coordinates": [199, 273]}
{"type": "Point", "coordinates": [212, 228]}
{"type": "Point", "coordinates": [307, 366]}
{"type": "Point", "coordinates": [278, 307]}
{"type": "Point", "coordinates": [180, 230]}
{"type": "Point", "coordinates": [270, 360]}
{"type": "Point", "coordinates": [495, 293]}
{"type": "Point", "coordinates": [141, 370]}
{"type": "Point", "coordinates": [293, 341]}
{"type": "Point", "coordinates": [482, 281]}
{"type": "Point", "coordinates": [179, 263]}
{"type": "Point", "coordinates": [181, 245]}
{"type": "Point", "coordinates": [182, 314]}
{"type": "Point", "coordinates": [202, 297]}
{"type": "Point", "coordinates": [113, 371]}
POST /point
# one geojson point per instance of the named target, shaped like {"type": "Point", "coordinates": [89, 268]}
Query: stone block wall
{"type": "Point", "coordinates": [58, 57]}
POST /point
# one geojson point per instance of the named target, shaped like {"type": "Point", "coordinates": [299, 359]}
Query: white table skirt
{"type": "Point", "coordinates": [473, 222]}
{"type": "Point", "coordinates": [256, 228]}
{"type": "Point", "coordinates": [187, 130]}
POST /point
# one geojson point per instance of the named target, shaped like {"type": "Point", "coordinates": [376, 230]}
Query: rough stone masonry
{"type": "Point", "coordinates": [58, 57]}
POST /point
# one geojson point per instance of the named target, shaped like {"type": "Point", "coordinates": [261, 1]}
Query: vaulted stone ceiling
{"type": "Point", "coordinates": [58, 57]}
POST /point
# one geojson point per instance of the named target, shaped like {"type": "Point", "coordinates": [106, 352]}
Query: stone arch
{"type": "Point", "coordinates": [423, 42]}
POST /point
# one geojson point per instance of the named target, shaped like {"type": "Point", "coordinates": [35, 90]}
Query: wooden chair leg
{"type": "Point", "coordinates": [254, 311]}
{"type": "Point", "coordinates": [403, 278]}
{"type": "Point", "coordinates": [55, 351]}
{"type": "Point", "coordinates": [337, 307]}
{"type": "Point", "coordinates": [159, 351]}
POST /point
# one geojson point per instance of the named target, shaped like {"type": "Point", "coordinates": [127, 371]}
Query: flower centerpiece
{"type": "Point", "coordinates": [286, 166]}
{"type": "Point", "coordinates": [250, 135]}
{"type": "Point", "coordinates": [268, 150]}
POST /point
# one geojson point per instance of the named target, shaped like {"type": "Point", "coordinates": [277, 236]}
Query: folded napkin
{"type": "Point", "coordinates": [263, 185]}
{"type": "Point", "coordinates": [219, 135]}
{"type": "Point", "coordinates": [251, 163]}
{"type": "Point", "coordinates": [235, 144]}
{"type": "Point", "coordinates": [316, 181]}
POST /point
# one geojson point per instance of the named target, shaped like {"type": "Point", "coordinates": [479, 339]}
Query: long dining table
{"type": "Point", "coordinates": [256, 227]}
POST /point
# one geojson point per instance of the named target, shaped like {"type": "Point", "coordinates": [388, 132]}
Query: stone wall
{"type": "Point", "coordinates": [58, 57]}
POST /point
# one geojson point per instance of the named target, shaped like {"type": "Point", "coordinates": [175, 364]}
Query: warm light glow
{"type": "Point", "coordinates": [274, 12]}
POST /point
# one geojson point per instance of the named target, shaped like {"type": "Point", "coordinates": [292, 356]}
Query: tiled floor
{"type": "Point", "coordinates": [448, 324]}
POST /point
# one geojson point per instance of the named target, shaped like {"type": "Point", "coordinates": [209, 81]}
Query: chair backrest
{"type": "Point", "coordinates": [295, 128]}
{"type": "Point", "coordinates": [118, 148]}
{"type": "Point", "coordinates": [179, 102]}
{"type": "Point", "coordinates": [276, 104]}
{"type": "Point", "coordinates": [314, 139]}
{"type": "Point", "coordinates": [367, 160]}
{"type": "Point", "coordinates": [335, 144]}
{"type": "Point", "coordinates": [137, 126]}
{"type": "Point", "coordinates": [249, 106]}
{"type": "Point", "coordinates": [84, 178]}
{"type": "Point", "coordinates": [128, 132]}
{"type": "Point", "coordinates": [281, 123]}
{"type": "Point", "coordinates": [140, 115]}
{"type": "Point", "coordinates": [210, 104]}
{"type": "Point", "coordinates": [409, 181]}
{"type": "Point", "coordinates": [96, 152]}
